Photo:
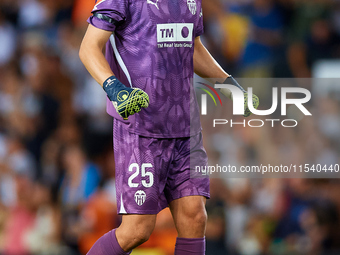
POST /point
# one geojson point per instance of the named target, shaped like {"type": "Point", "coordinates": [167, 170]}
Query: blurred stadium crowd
{"type": "Point", "coordinates": [56, 161]}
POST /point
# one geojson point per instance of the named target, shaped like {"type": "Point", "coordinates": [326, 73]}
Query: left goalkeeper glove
{"type": "Point", "coordinates": [126, 100]}
{"type": "Point", "coordinates": [256, 101]}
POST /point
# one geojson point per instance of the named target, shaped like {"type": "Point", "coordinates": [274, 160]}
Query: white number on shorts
{"type": "Point", "coordinates": [144, 174]}
{"type": "Point", "coordinates": [134, 175]}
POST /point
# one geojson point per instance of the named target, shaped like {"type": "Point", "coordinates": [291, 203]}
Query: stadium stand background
{"type": "Point", "coordinates": [56, 161]}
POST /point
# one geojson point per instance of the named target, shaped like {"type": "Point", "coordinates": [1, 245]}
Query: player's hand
{"type": "Point", "coordinates": [126, 100]}
{"type": "Point", "coordinates": [256, 101]}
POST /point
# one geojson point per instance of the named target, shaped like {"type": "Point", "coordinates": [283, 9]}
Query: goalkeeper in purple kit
{"type": "Point", "coordinates": [151, 50]}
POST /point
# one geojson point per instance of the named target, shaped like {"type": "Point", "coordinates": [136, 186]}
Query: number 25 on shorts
{"type": "Point", "coordinates": [134, 167]}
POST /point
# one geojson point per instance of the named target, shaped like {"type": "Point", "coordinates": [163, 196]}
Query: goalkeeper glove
{"type": "Point", "coordinates": [256, 101]}
{"type": "Point", "coordinates": [127, 101]}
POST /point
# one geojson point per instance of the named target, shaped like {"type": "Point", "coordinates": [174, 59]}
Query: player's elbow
{"type": "Point", "coordinates": [82, 53]}
{"type": "Point", "coordinates": [86, 50]}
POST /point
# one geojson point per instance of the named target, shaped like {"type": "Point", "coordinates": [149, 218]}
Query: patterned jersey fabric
{"type": "Point", "coordinates": [151, 48]}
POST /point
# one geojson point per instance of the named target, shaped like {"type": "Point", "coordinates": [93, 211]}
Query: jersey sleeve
{"type": "Point", "coordinates": [108, 14]}
{"type": "Point", "coordinates": [199, 30]}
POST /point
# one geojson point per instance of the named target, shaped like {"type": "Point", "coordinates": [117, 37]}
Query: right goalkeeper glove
{"type": "Point", "coordinates": [256, 101]}
{"type": "Point", "coordinates": [127, 101]}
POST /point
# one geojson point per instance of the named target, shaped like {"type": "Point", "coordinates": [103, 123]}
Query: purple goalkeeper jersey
{"type": "Point", "coordinates": [151, 48]}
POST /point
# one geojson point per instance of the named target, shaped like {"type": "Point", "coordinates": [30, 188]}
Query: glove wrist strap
{"type": "Point", "coordinates": [231, 80]}
{"type": "Point", "coordinates": [111, 86]}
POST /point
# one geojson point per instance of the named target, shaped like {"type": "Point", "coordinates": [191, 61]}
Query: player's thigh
{"type": "Point", "coordinates": [189, 215]}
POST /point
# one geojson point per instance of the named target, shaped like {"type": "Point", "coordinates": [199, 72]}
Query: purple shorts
{"type": "Point", "coordinates": [152, 172]}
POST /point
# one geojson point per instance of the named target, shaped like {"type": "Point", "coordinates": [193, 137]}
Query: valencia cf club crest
{"type": "Point", "coordinates": [192, 6]}
{"type": "Point", "coordinates": [140, 197]}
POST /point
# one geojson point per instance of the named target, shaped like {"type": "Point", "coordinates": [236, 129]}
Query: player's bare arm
{"type": "Point", "coordinates": [207, 67]}
{"type": "Point", "coordinates": [126, 100]}
{"type": "Point", "coordinates": [91, 53]}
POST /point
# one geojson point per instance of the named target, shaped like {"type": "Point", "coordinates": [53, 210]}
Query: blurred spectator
{"type": "Point", "coordinates": [305, 13]}
{"type": "Point", "coordinates": [19, 159]}
{"type": "Point", "coordinates": [99, 216]}
{"type": "Point", "coordinates": [47, 223]}
{"type": "Point", "coordinates": [265, 35]}
{"type": "Point", "coordinates": [81, 11]}
{"type": "Point", "coordinates": [8, 40]}
{"type": "Point", "coordinates": [216, 224]}
{"type": "Point", "coordinates": [32, 13]}
{"type": "Point", "coordinates": [20, 218]}
{"type": "Point", "coordinates": [81, 177]}
{"type": "Point", "coordinates": [80, 181]}
{"type": "Point", "coordinates": [320, 42]}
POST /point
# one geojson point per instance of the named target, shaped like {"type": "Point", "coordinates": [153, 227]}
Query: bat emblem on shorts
{"type": "Point", "coordinates": [153, 3]}
{"type": "Point", "coordinates": [140, 197]}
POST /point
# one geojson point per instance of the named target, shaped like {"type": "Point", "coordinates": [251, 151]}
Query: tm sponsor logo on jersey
{"type": "Point", "coordinates": [175, 35]}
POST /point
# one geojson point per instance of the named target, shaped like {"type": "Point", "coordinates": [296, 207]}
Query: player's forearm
{"type": "Point", "coordinates": [95, 63]}
{"type": "Point", "coordinates": [91, 54]}
{"type": "Point", "coordinates": [207, 67]}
